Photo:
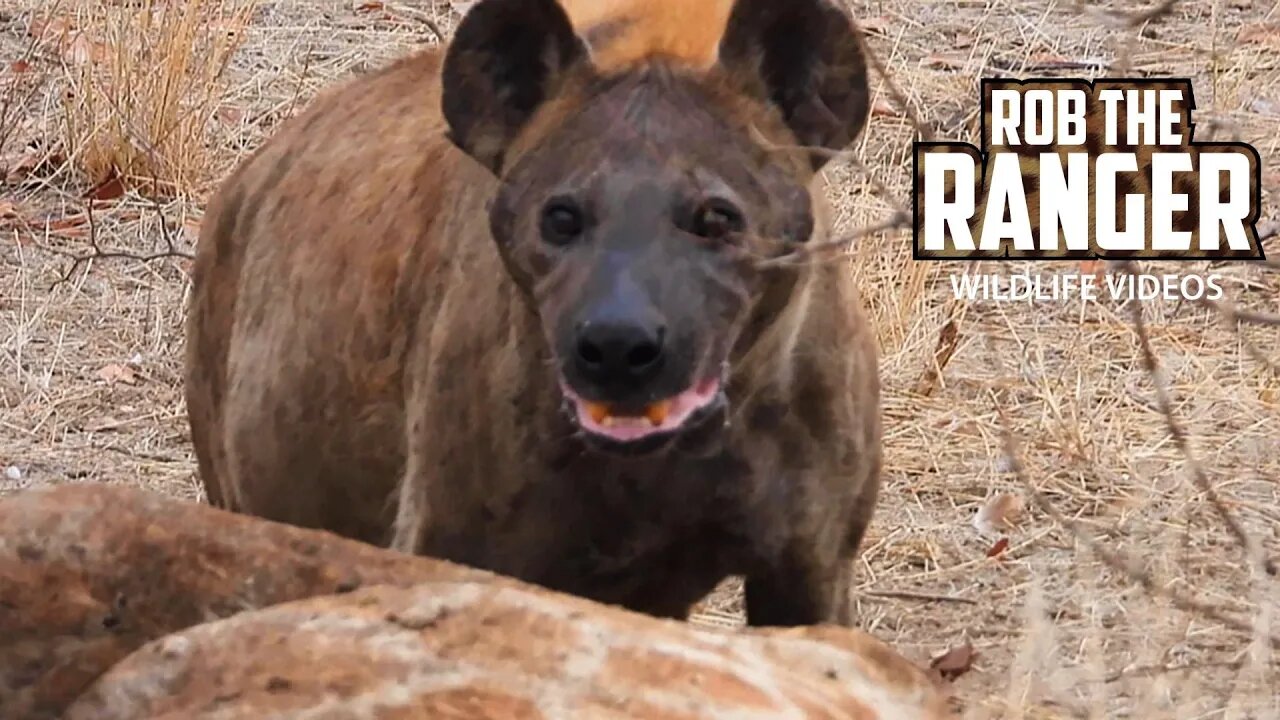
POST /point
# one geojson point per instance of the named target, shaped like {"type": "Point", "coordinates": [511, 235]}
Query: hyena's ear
{"type": "Point", "coordinates": [806, 57]}
{"type": "Point", "coordinates": [505, 60]}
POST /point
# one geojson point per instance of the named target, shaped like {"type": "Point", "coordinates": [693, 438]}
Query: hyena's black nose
{"type": "Point", "coordinates": [624, 353]}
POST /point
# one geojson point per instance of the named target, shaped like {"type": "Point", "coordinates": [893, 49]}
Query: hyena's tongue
{"type": "Point", "coordinates": [659, 417]}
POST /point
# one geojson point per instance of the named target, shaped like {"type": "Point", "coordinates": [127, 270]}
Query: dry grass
{"type": "Point", "coordinates": [144, 81]}
{"type": "Point", "coordinates": [1123, 593]}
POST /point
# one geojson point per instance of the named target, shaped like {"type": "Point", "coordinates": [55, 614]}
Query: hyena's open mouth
{"type": "Point", "coordinates": [624, 427]}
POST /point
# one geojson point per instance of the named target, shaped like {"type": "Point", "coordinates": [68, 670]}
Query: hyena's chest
{"type": "Point", "coordinates": [612, 529]}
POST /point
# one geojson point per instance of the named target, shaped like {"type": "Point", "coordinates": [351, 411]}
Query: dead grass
{"type": "Point", "coordinates": [143, 82]}
{"type": "Point", "coordinates": [1083, 615]}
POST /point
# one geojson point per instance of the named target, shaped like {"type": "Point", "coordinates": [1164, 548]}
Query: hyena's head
{"type": "Point", "coordinates": [635, 203]}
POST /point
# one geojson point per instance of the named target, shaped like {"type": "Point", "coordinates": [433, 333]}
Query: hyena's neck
{"type": "Point", "coordinates": [765, 361]}
{"type": "Point", "coordinates": [764, 357]}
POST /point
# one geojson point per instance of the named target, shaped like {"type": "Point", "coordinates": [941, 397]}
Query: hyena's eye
{"type": "Point", "coordinates": [562, 222]}
{"type": "Point", "coordinates": [717, 219]}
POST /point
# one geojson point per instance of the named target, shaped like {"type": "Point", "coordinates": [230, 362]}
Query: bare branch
{"type": "Point", "coordinates": [1115, 561]}
{"type": "Point", "coordinates": [97, 252]}
{"type": "Point", "coordinates": [419, 16]}
{"type": "Point", "coordinates": [900, 219]}
{"type": "Point", "coordinates": [1231, 316]}
{"type": "Point", "coordinates": [1180, 439]}
{"type": "Point", "coordinates": [1235, 314]}
{"type": "Point", "coordinates": [828, 250]}
{"type": "Point", "coordinates": [1268, 230]}
{"type": "Point", "coordinates": [924, 131]}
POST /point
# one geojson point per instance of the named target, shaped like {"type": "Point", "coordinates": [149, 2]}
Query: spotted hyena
{"type": "Point", "coordinates": [505, 304]}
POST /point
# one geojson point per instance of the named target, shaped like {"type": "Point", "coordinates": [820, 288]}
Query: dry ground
{"type": "Point", "coordinates": [90, 368]}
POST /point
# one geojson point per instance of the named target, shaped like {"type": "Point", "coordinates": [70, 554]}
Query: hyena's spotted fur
{"type": "Point", "coordinates": [365, 356]}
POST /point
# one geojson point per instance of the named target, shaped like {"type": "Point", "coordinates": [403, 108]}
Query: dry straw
{"type": "Point", "coordinates": [144, 82]}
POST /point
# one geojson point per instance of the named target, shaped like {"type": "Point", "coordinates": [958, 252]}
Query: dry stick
{"type": "Point", "coordinates": [421, 17]}
{"type": "Point", "coordinates": [1115, 561]}
{"type": "Point", "coordinates": [1231, 316]}
{"type": "Point", "coordinates": [833, 249]}
{"type": "Point", "coordinates": [1266, 231]}
{"type": "Point", "coordinates": [924, 131]}
{"type": "Point", "coordinates": [927, 597]}
{"type": "Point", "coordinates": [900, 219]}
{"type": "Point", "coordinates": [827, 250]}
{"type": "Point", "coordinates": [838, 248]}
{"type": "Point", "coordinates": [1234, 314]}
{"type": "Point", "coordinates": [1133, 20]}
{"type": "Point", "coordinates": [1251, 551]}
{"type": "Point", "coordinates": [97, 253]}
{"type": "Point", "coordinates": [1257, 317]}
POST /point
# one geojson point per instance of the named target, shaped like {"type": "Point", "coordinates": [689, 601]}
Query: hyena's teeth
{"type": "Point", "coordinates": [599, 412]}
{"type": "Point", "coordinates": [657, 412]}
